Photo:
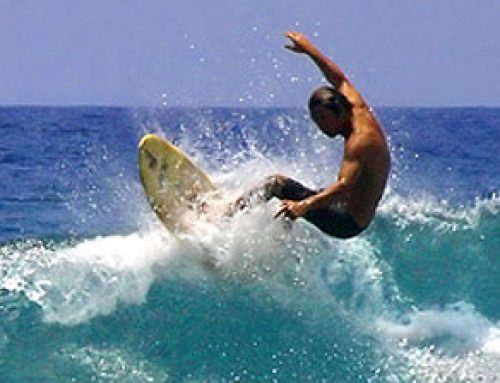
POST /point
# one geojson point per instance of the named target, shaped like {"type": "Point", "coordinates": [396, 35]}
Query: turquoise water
{"type": "Point", "coordinates": [94, 289]}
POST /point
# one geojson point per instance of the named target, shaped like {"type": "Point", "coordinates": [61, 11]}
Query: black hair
{"type": "Point", "coordinates": [329, 98]}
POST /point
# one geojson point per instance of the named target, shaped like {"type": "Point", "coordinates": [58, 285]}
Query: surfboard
{"type": "Point", "coordinates": [173, 184]}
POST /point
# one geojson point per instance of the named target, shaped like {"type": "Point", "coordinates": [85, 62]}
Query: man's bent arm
{"type": "Point", "coordinates": [350, 173]}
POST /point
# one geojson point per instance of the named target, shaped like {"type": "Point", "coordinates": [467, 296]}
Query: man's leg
{"type": "Point", "coordinates": [329, 220]}
{"type": "Point", "coordinates": [333, 221]}
{"type": "Point", "coordinates": [277, 186]}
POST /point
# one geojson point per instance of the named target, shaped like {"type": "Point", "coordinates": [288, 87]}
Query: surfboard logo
{"type": "Point", "coordinates": [152, 161]}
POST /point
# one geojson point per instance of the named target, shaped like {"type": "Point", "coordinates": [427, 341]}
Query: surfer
{"type": "Point", "coordinates": [345, 208]}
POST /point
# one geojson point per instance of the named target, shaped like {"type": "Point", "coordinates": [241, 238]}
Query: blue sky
{"type": "Point", "coordinates": [230, 52]}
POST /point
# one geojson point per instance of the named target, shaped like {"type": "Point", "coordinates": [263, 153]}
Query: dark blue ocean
{"type": "Point", "coordinates": [93, 289]}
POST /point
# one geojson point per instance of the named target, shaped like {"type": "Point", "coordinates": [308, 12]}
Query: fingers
{"type": "Point", "coordinates": [297, 42]}
{"type": "Point", "coordinates": [293, 37]}
{"type": "Point", "coordinates": [282, 211]}
{"type": "Point", "coordinates": [285, 210]}
{"type": "Point", "coordinates": [292, 48]}
{"type": "Point", "coordinates": [290, 45]}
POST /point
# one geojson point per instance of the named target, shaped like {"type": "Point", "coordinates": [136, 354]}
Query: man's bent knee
{"type": "Point", "coordinates": [273, 185]}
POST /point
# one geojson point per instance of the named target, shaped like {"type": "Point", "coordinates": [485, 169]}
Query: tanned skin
{"type": "Point", "coordinates": [366, 162]}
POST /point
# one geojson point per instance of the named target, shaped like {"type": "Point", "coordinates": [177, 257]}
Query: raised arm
{"type": "Point", "coordinates": [301, 44]}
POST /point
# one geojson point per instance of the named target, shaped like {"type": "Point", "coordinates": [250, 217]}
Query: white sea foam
{"type": "Point", "coordinates": [455, 328]}
{"type": "Point", "coordinates": [427, 210]}
{"type": "Point", "coordinates": [455, 343]}
{"type": "Point", "coordinates": [73, 283]}
{"type": "Point", "coordinates": [429, 364]}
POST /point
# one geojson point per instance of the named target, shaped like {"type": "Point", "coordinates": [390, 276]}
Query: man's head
{"type": "Point", "coordinates": [329, 109]}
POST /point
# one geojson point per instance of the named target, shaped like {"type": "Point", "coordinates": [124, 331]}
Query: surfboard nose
{"type": "Point", "coordinates": [145, 139]}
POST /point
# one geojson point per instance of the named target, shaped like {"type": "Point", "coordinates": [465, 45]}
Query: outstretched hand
{"type": "Point", "coordinates": [292, 209]}
{"type": "Point", "coordinates": [299, 43]}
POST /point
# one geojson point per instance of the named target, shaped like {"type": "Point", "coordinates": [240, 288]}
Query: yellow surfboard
{"type": "Point", "coordinates": [173, 184]}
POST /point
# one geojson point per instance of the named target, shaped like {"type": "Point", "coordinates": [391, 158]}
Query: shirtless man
{"type": "Point", "coordinates": [347, 207]}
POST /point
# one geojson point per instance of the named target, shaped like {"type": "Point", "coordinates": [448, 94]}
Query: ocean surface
{"type": "Point", "coordinates": [93, 289]}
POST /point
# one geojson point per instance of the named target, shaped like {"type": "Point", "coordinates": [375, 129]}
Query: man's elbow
{"type": "Point", "coordinates": [343, 186]}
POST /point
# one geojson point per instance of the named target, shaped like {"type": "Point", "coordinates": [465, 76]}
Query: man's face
{"type": "Point", "coordinates": [327, 120]}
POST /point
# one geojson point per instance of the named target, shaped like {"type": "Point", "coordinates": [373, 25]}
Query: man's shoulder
{"type": "Point", "coordinates": [366, 143]}
{"type": "Point", "coordinates": [363, 114]}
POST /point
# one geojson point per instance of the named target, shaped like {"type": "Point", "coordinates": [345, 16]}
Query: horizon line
{"type": "Point", "coordinates": [131, 106]}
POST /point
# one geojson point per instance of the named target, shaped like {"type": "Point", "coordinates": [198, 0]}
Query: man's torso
{"type": "Point", "coordinates": [367, 145]}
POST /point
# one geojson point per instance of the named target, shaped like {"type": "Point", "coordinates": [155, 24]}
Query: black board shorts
{"type": "Point", "coordinates": [330, 220]}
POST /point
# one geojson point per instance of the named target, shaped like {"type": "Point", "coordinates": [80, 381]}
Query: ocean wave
{"type": "Point", "coordinates": [416, 283]}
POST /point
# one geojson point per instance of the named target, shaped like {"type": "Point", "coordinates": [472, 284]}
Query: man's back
{"type": "Point", "coordinates": [368, 146]}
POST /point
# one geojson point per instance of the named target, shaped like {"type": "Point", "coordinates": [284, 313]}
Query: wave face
{"type": "Point", "coordinates": [94, 289]}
